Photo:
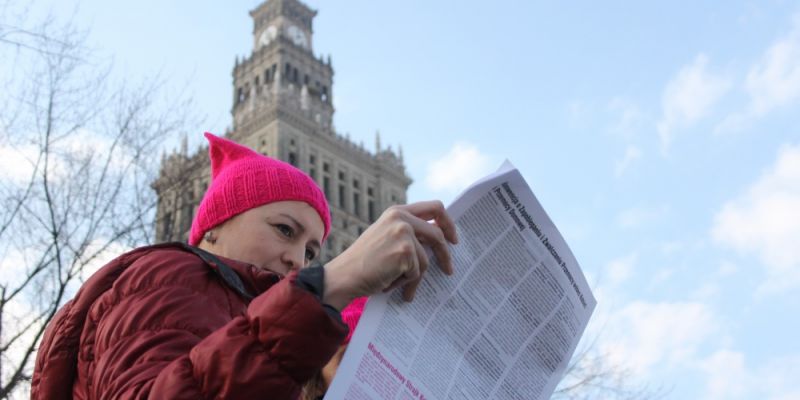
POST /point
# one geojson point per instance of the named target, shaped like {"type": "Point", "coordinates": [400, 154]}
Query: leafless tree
{"type": "Point", "coordinates": [590, 375]}
{"type": "Point", "coordinates": [78, 151]}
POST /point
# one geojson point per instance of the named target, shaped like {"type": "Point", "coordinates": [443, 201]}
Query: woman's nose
{"type": "Point", "coordinates": [294, 258]}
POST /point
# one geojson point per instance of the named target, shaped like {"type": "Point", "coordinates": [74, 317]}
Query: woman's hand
{"type": "Point", "coordinates": [390, 253]}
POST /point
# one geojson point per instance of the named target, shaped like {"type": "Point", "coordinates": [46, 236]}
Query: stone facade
{"type": "Point", "coordinates": [282, 107]}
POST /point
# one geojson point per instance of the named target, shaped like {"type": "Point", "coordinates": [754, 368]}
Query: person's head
{"type": "Point", "coordinates": [318, 385]}
{"type": "Point", "coordinates": [259, 210]}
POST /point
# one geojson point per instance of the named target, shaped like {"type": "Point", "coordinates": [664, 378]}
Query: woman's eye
{"type": "Point", "coordinates": [310, 254]}
{"type": "Point", "coordinates": [284, 229]}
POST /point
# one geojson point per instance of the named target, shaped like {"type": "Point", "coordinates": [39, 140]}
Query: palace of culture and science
{"type": "Point", "coordinates": [282, 107]}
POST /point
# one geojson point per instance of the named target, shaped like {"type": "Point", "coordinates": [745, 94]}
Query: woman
{"type": "Point", "coordinates": [237, 314]}
{"type": "Point", "coordinates": [318, 385]}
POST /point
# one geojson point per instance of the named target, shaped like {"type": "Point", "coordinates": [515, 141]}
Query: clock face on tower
{"type": "Point", "coordinates": [268, 35]}
{"type": "Point", "coordinates": [297, 36]}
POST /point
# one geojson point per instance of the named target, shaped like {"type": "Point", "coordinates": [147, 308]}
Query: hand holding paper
{"type": "Point", "coordinates": [390, 253]}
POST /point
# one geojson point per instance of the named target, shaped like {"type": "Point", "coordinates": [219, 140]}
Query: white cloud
{"type": "Point", "coordinates": [629, 116]}
{"type": "Point", "coordinates": [454, 171]}
{"type": "Point", "coordinates": [95, 256]}
{"type": "Point", "coordinates": [17, 162]}
{"type": "Point", "coordinates": [765, 220]}
{"type": "Point", "coordinates": [643, 335]}
{"type": "Point", "coordinates": [629, 119]}
{"type": "Point", "coordinates": [772, 82]}
{"type": "Point", "coordinates": [632, 154]}
{"type": "Point", "coordinates": [18, 314]}
{"type": "Point", "coordinates": [728, 377]}
{"type": "Point", "coordinates": [775, 80]}
{"type": "Point", "coordinates": [689, 96]}
{"type": "Point", "coordinates": [619, 270]}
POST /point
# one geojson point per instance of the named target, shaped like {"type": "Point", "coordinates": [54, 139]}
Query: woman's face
{"type": "Point", "coordinates": [280, 237]}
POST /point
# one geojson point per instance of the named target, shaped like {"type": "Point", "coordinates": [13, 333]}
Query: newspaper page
{"type": "Point", "coordinates": [503, 326]}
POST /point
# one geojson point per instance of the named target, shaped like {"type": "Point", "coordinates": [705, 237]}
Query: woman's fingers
{"type": "Point", "coordinates": [390, 253]}
{"type": "Point", "coordinates": [410, 288]}
{"type": "Point", "coordinates": [433, 236]}
{"type": "Point", "coordinates": [411, 265]}
{"type": "Point", "coordinates": [434, 210]}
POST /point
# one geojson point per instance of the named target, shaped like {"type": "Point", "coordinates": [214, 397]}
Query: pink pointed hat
{"type": "Point", "coordinates": [242, 179]}
{"type": "Point", "coordinates": [352, 314]}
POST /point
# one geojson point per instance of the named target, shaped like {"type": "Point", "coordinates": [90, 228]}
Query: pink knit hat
{"type": "Point", "coordinates": [242, 179]}
{"type": "Point", "coordinates": [351, 314]}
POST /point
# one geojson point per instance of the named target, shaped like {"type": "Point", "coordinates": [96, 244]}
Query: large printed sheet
{"type": "Point", "coordinates": [503, 326]}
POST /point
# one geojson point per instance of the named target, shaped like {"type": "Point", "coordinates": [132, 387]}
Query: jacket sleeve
{"type": "Point", "coordinates": [157, 344]}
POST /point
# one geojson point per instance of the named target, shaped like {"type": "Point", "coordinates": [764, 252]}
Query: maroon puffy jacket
{"type": "Point", "coordinates": [160, 323]}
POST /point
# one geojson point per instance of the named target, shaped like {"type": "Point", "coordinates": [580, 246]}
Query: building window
{"type": "Point", "coordinates": [371, 210]}
{"type": "Point", "coordinates": [288, 71]}
{"type": "Point", "coordinates": [341, 196]}
{"type": "Point", "coordinates": [312, 159]}
{"type": "Point", "coordinates": [326, 167]}
{"type": "Point", "coordinates": [326, 187]}
{"type": "Point", "coordinates": [305, 79]}
{"type": "Point", "coordinates": [369, 192]}
{"type": "Point", "coordinates": [355, 183]}
{"type": "Point", "coordinates": [292, 158]}
{"type": "Point", "coordinates": [341, 176]}
{"type": "Point", "coordinates": [186, 218]}
{"type": "Point", "coordinates": [313, 173]}
{"type": "Point", "coordinates": [356, 204]}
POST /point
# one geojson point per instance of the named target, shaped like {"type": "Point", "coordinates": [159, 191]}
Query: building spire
{"type": "Point", "coordinates": [185, 145]}
{"type": "Point", "coordinates": [377, 141]}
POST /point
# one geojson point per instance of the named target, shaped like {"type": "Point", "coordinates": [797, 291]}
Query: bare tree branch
{"type": "Point", "coordinates": [89, 145]}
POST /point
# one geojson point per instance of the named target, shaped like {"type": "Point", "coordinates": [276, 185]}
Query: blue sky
{"type": "Point", "coordinates": [663, 140]}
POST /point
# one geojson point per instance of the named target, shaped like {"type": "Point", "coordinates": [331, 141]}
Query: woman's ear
{"type": "Point", "coordinates": [210, 237]}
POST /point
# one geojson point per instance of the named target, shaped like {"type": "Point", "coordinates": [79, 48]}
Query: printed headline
{"type": "Point", "coordinates": [522, 219]}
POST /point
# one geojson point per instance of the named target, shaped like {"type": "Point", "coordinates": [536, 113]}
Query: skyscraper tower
{"type": "Point", "coordinates": [283, 108]}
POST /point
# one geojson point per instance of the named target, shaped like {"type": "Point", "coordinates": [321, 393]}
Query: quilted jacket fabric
{"type": "Point", "coordinates": [159, 323]}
